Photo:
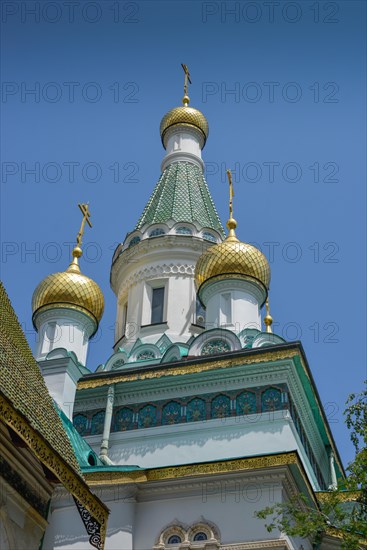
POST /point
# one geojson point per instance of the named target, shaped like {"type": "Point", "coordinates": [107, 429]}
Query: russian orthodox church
{"type": "Point", "coordinates": [202, 415]}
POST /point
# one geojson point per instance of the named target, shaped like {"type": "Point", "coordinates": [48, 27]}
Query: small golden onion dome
{"type": "Point", "coordinates": [268, 320]}
{"type": "Point", "coordinates": [232, 259]}
{"type": "Point", "coordinates": [69, 289]}
{"type": "Point", "coordinates": [184, 116]}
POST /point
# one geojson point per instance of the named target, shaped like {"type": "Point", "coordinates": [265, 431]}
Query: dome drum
{"type": "Point", "coordinates": [232, 280]}
{"type": "Point", "coordinates": [58, 311]}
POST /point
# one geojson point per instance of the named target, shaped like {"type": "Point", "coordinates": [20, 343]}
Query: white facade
{"type": "Point", "coordinates": [63, 328]}
{"type": "Point", "coordinates": [234, 304]}
{"type": "Point", "coordinates": [183, 144]}
{"type": "Point", "coordinates": [144, 517]}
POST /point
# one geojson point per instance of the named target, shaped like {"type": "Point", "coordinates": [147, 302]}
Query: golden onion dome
{"type": "Point", "coordinates": [69, 289]}
{"type": "Point", "coordinates": [184, 116]}
{"type": "Point", "coordinates": [232, 259]}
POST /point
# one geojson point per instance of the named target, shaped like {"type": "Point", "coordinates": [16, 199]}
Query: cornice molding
{"type": "Point", "coordinates": [257, 545]}
{"type": "Point", "coordinates": [156, 271]}
{"type": "Point", "coordinates": [194, 470]}
{"type": "Point", "coordinates": [179, 370]}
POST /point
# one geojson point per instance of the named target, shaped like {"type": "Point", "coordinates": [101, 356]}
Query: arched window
{"type": "Point", "coordinates": [156, 232]}
{"type": "Point", "coordinates": [134, 240]}
{"type": "Point", "coordinates": [183, 231]}
{"type": "Point", "coordinates": [118, 364]}
{"type": "Point", "coordinates": [191, 538]}
{"type": "Point", "coordinates": [200, 536]}
{"type": "Point", "coordinates": [200, 313]}
{"type": "Point", "coordinates": [174, 539]}
{"type": "Point", "coordinates": [209, 237]}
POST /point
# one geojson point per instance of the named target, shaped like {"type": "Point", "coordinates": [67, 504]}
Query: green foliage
{"type": "Point", "coordinates": [336, 512]}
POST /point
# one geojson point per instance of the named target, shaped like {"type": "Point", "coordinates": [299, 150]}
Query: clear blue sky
{"type": "Point", "coordinates": [104, 74]}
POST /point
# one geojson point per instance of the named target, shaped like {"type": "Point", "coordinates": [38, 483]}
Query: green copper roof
{"type": "Point", "coordinates": [182, 195]}
{"type": "Point", "coordinates": [83, 451]}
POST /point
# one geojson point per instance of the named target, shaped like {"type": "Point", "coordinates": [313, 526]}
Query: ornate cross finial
{"type": "Point", "coordinates": [77, 251]}
{"type": "Point", "coordinates": [186, 99]}
{"type": "Point", "coordinates": [231, 193]}
{"type": "Point", "coordinates": [231, 223]}
{"type": "Point", "coordinates": [86, 215]}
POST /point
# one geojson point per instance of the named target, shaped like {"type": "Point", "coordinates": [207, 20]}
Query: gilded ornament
{"type": "Point", "coordinates": [70, 289]}
{"type": "Point", "coordinates": [232, 258]}
{"type": "Point", "coordinates": [185, 115]}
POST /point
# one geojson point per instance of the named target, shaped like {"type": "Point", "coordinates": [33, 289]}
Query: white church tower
{"type": "Point", "coordinates": [152, 272]}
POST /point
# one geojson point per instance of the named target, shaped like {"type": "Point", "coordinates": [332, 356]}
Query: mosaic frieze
{"type": "Point", "coordinates": [259, 400]}
{"type": "Point", "coordinates": [171, 413]}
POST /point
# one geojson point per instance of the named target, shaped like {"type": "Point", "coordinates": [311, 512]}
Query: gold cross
{"type": "Point", "coordinates": [186, 98]}
{"type": "Point", "coordinates": [187, 77]}
{"type": "Point", "coordinates": [86, 215]}
{"type": "Point", "coordinates": [231, 193]}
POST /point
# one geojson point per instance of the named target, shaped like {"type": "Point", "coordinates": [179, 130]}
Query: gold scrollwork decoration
{"type": "Point", "coordinates": [50, 458]}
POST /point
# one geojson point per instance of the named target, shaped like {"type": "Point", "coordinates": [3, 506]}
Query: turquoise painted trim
{"type": "Point", "coordinates": [315, 410]}
{"type": "Point", "coordinates": [103, 468]}
{"type": "Point", "coordinates": [81, 448]}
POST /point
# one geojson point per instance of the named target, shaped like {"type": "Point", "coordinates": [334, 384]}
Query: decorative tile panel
{"type": "Point", "coordinates": [147, 417]}
{"type": "Point", "coordinates": [80, 423]}
{"type": "Point", "coordinates": [246, 403]}
{"type": "Point", "coordinates": [220, 406]}
{"type": "Point", "coordinates": [171, 413]}
{"type": "Point", "coordinates": [124, 420]}
{"type": "Point", "coordinates": [271, 400]}
{"type": "Point", "coordinates": [97, 423]}
{"type": "Point", "coordinates": [196, 410]}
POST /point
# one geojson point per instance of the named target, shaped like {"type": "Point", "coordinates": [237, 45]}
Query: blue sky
{"type": "Point", "coordinates": [293, 128]}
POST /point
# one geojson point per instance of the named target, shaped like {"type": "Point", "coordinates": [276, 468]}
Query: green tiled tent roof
{"type": "Point", "coordinates": [22, 383]}
{"type": "Point", "coordinates": [182, 195]}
